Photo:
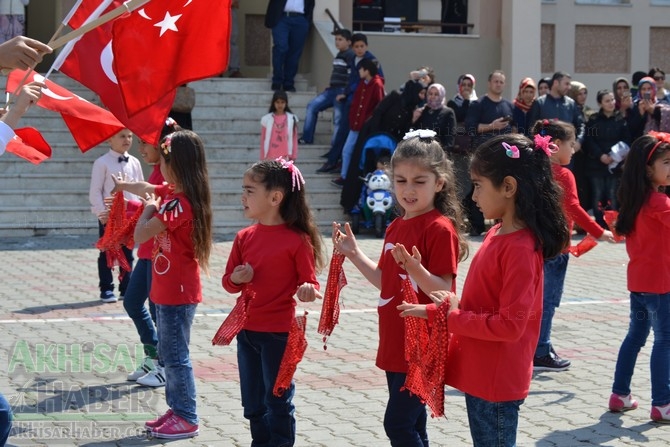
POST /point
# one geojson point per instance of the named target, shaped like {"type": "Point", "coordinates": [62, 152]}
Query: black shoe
{"type": "Point", "coordinates": [550, 362]}
{"type": "Point", "coordinates": [289, 89]}
{"type": "Point", "coordinates": [339, 182]}
{"type": "Point", "coordinates": [326, 155]}
{"type": "Point", "coordinates": [327, 168]}
{"type": "Point", "coordinates": [275, 87]}
{"type": "Point", "coordinates": [302, 141]}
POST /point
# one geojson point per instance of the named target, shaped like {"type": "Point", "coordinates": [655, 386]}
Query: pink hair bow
{"type": "Point", "coordinates": [544, 143]}
{"type": "Point", "coordinates": [297, 179]}
{"type": "Point", "coordinates": [511, 151]}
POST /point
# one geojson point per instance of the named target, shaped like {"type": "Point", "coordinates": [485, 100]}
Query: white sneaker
{"type": "Point", "coordinates": [146, 366]}
{"type": "Point", "coordinates": [154, 378]}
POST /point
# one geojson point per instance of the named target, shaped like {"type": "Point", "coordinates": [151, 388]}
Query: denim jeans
{"type": "Point", "coordinates": [647, 311]}
{"type": "Point", "coordinates": [603, 190]}
{"type": "Point", "coordinates": [271, 418]}
{"type": "Point", "coordinates": [288, 37]}
{"type": "Point", "coordinates": [136, 295]}
{"type": "Point", "coordinates": [174, 334]}
{"type": "Point", "coordinates": [322, 101]}
{"type": "Point", "coordinates": [105, 273]}
{"type": "Point", "coordinates": [347, 152]}
{"type": "Point", "coordinates": [554, 278]}
{"type": "Point", "coordinates": [492, 424]}
{"type": "Point", "coordinates": [405, 417]}
{"type": "Point", "coordinates": [339, 135]}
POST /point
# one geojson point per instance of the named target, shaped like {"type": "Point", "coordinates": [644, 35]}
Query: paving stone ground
{"type": "Point", "coordinates": [65, 356]}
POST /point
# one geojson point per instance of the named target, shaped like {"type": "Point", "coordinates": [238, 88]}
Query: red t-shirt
{"type": "Point", "coordinates": [573, 210]}
{"type": "Point", "coordinates": [176, 272]}
{"type": "Point", "coordinates": [648, 247]}
{"type": "Point", "coordinates": [282, 260]}
{"type": "Point", "coordinates": [145, 249]}
{"type": "Point", "coordinates": [435, 237]}
{"type": "Point", "coordinates": [497, 325]}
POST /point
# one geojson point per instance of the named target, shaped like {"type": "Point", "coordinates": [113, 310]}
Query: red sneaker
{"type": "Point", "coordinates": [661, 414]}
{"type": "Point", "coordinates": [175, 427]}
{"type": "Point", "coordinates": [622, 403]}
{"type": "Point", "coordinates": [158, 422]}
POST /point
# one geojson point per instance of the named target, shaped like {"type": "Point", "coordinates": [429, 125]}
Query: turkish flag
{"type": "Point", "coordinates": [166, 44]}
{"type": "Point", "coordinates": [89, 124]}
{"type": "Point", "coordinates": [30, 145]}
{"type": "Point", "coordinates": [90, 62]}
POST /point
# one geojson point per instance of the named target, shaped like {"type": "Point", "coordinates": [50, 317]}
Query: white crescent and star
{"type": "Point", "coordinates": [50, 93]}
{"type": "Point", "coordinates": [384, 301]}
{"type": "Point", "coordinates": [169, 22]}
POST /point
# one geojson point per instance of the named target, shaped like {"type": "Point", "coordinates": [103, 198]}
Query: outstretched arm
{"type": "Point", "coordinates": [346, 244]}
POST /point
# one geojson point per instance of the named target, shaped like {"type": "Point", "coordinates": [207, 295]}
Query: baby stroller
{"type": "Point", "coordinates": [375, 204]}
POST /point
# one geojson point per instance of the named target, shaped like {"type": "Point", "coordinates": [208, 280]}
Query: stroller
{"type": "Point", "coordinates": [375, 204]}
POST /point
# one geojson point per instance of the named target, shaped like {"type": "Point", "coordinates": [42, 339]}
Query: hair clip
{"type": "Point", "coordinates": [544, 143]}
{"type": "Point", "coordinates": [511, 151]}
{"type": "Point", "coordinates": [170, 122]}
{"type": "Point", "coordinates": [421, 133]}
{"type": "Point", "coordinates": [166, 144]}
{"type": "Point", "coordinates": [296, 176]}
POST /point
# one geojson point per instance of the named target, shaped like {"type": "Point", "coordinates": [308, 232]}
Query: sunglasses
{"type": "Point", "coordinates": [659, 78]}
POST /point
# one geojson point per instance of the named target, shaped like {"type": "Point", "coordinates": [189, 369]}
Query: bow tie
{"type": "Point", "coordinates": [123, 158]}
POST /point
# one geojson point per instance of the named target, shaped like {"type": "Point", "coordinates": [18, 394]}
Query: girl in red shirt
{"type": "Point", "coordinates": [559, 136]}
{"type": "Point", "coordinates": [496, 324]}
{"type": "Point", "coordinates": [178, 216]}
{"type": "Point", "coordinates": [426, 243]}
{"type": "Point", "coordinates": [644, 218]}
{"type": "Point", "coordinates": [281, 253]}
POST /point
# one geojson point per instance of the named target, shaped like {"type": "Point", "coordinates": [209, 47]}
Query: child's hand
{"type": "Point", "coordinates": [151, 199]}
{"type": "Point", "coordinates": [120, 180]}
{"type": "Point", "coordinates": [404, 259]}
{"type": "Point", "coordinates": [440, 297]}
{"type": "Point", "coordinates": [308, 293]}
{"type": "Point", "coordinates": [412, 310]}
{"type": "Point", "coordinates": [242, 274]}
{"type": "Point", "coordinates": [345, 242]}
{"type": "Point", "coordinates": [607, 236]}
{"type": "Point", "coordinates": [103, 217]}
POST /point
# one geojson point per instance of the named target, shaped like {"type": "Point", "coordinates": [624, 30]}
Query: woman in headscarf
{"type": "Point", "coordinates": [578, 92]}
{"type": "Point", "coordinates": [435, 115]}
{"type": "Point", "coordinates": [466, 94]}
{"type": "Point", "coordinates": [393, 115]}
{"type": "Point", "coordinates": [622, 95]}
{"type": "Point", "coordinates": [647, 113]}
{"type": "Point", "coordinates": [524, 100]}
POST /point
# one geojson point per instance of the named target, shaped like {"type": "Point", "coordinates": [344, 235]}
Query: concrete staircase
{"type": "Point", "coordinates": [53, 197]}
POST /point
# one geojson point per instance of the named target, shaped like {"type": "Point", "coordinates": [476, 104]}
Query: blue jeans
{"type": "Point", "coordinates": [271, 418]}
{"type": "Point", "coordinates": [554, 278]}
{"type": "Point", "coordinates": [105, 273]}
{"type": "Point", "coordinates": [339, 135]}
{"type": "Point", "coordinates": [348, 151]}
{"type": "Point", "coordinates": [492, 424]}
{"type": "Point", "coordinates": [647, 311]}
{"type": "Point", "coordinates": [603, 190]}
{"type": "Point", "coordinates": [5, 420]}
{"type": "Point", "coordinates": [321, 102]}
{"type": "Point", "coordinates": [174, 334]}
{"type": "Point", "coordinates": [288, 38]}
{"type": "Point", "coordinates": [136, 295]}
{"type": "Point", "coordinates": [405, 417]}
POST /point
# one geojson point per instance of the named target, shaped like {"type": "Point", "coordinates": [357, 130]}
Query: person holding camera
{"type": "Point", "coordinates": [647, 112]}
{"type": "Point", "coordinates": [488, 117]}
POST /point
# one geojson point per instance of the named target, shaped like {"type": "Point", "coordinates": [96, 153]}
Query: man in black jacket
{"type": "Point", "coordinates": [289, 21]}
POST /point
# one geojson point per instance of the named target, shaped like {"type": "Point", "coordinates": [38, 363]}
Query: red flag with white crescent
{"type": "Point", "coordinates": [89, 124]}
{"type": "Point", "coordinates": [30, 145]}
{"type": "Point", "coordinates": [90, 62]}
{"type": "Point", "coordinates": [168, 43]}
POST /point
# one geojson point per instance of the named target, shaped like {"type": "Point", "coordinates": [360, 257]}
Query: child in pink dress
{"type": "Point", "coordinates": [279, 130]}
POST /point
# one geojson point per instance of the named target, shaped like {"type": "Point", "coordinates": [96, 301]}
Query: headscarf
{"type": "Point", "coordinates": [458, 98]}
{"type": "Point", "coordinates": [441, 93]}
{"type": "Point", "coordinates": [650, 81]}
{"type": "Point", "coordinates": [575, 88]}
{"type": "Point", "coordinates": [410, 94]}
{"type": "Point", "coordinates": [617, 98]}
{"type": "Point", "coordinates": [518, 102]}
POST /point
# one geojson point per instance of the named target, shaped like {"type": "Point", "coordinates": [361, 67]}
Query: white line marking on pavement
{"type": "Point", "coordinates": [223, 314]}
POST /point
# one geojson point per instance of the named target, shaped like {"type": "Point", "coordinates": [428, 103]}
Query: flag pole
{"type": "Point", "coordinates": [128, 6]}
